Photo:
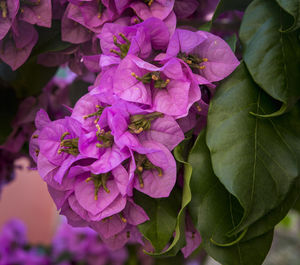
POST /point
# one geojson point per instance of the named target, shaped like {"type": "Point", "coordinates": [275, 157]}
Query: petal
{"type": "Point", "coordinates": [115, 207]}
{"type": "Point", "coordinates": [121, 178]}
{"type": "Point", "coordinates": [221, 60]}
{"type": "Point", "coordinates": [154, 185]}
{"type": "Point", "coordinates": [84, 193]}
{"type": "Point", "coordinates": [134, 213]}
{"type": "Point", "coordinates": [109, 227]}
{"type": "Point", "coordinates": [173, 100]}
{"type": "Point", "coordinates": [110, 159]}
{"type": "Point", "coordinates": [165, 131]}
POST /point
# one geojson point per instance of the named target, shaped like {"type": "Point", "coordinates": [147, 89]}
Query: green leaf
{"type": "Point", "coordinates": [272, 57]}
{"type": "Point", "coordinates": [267, 222]}
{"type": "Point", "coordinates": [215, 212]}
{"type": "Point", "coordinates": [162, 213]}
{"type": "Point", "coordinates": [257, 160]}
{"type": "Point", "coordinates": [232, 42]}
{"type": "Point", "coordinates": [292, 7]}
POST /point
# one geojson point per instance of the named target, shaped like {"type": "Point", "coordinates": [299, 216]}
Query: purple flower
{"type": "Point", "coordinates": [58, 146]}
{"type": "Point", "coordinates": [119, 40]}
{"type": "Point", "coordinates": [170, 89]}
{"type": "Point", "coordinates": [206, 54]}
{"type": "Point", "coordinates": [37, 12]}
{"type": "Point", "coordinates": [155, 8]}
{"type": "Point", "coordinates": [91, 14]}
{"type": "Point", "coordinates": [72, 31]}
{"type": "Point", "coordinates": [9, 10]}
{"type": "Point", "coordinates": [131, 125]}
{"type": "Point", "coordinates": [153, 173]}
{"type": "Point", "coordinates": [16, 47]}
{"type": "Point", "coordinates": [185, 8]}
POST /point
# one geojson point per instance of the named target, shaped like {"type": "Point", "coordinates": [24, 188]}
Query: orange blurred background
{"type": "Point", "coordinates": [27, 198]}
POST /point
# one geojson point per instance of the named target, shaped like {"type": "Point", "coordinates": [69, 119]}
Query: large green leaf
{"type": "Point", "coordinates": [267, 222]}
{"type": "Point", "coordinates": [215, 212]}
{"type": "Point", "coordinates": [271, 56]}
{"type": "Point", "coordinates": [257, 160]}
{"type": "Point", "coordinates": [162, 213]}
{"type": "Point", "coordinates": [293, 8]}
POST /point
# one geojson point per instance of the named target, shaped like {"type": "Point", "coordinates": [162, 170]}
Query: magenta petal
{"type": "Point", "coordinates": [158, 31]}
{"type": "Point", "coordinates": [185, 8]}
{"type": "Point", "coordinates": [110, 226]}
{"type": "Point", "coordinates": [40, 14]}
{"type": "Point", "coordinates": [77, 208]}
{"type": "Point", "coordinates": [84, 192]}
{"type": "Point", "coordinates": [73, 32]}
{"type": "Point", "coordinates": [171, 22]}
{"type": "Point", "coordinates": [59, 197]}
{"type": "Point", "coordinates": [5, 25]}
{"type": "Point", "coordinates": [41, 119]}
{"type": "Point", "coordinates": [92, 62]}
{"type": "Point", "coordinates": [115, 207]}
{"type": "Point", "coordinates": [109, 30]}
{"type": "Point", "coordinates": [64, 167]}
{"type": "Point", "coordinates": [141, 9]}
{"type": "Point", "coordinates": [221, 60]}
{"type": "Point", "coordinates": [193, 238]}
{"type": "Point", "coordinates": [165, 131]}
{"type": "Point", "coordinates": [121, 178]}
{"type": "Point", "coordinates": [44, 166]}
{"type": "Point", "coordinates": [73, 218]}
{"type": "Point", "coordinates": [184, 41]}
{"type": "Point", "coordinates": [173, 101]}
{"type": "Point", "coordinates": [49, 141]}
{"type": "Point", "coordinates": [12, 54]}
{"type": "Point", "coordinates": [134, 213]}
{"type": "Point", "coordinates": [130, 233]}
{"type": "Point", "coordinates": [161, 9]}
{"type": "Point", "coordinates": [110, 159]}
{"type": "Point", "coordinates": [154, 185]}
{"type": "Point", "coordinates": [128, 87]}
{"type": "Point", "coordinates": [158, 9]}
{"type": "Point", "coordinates": [87, 145]}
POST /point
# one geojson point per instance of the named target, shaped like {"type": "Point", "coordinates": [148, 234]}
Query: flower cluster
{"type": "Point", "coordinates": [153, 84]}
